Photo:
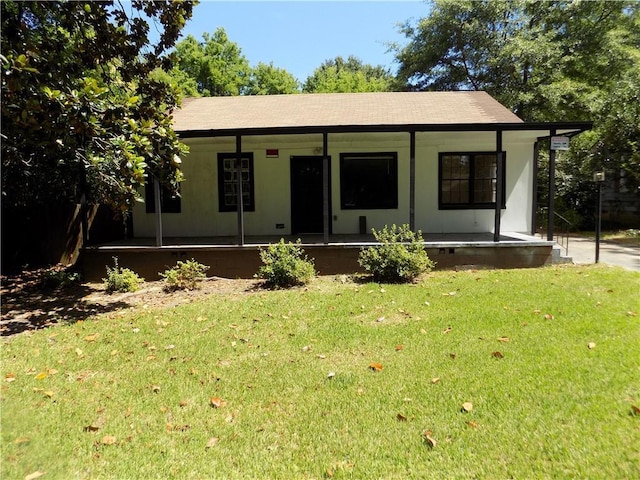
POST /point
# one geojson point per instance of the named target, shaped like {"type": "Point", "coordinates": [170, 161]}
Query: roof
{"type": "Point", "coordinates": [353, 112]}
{"type": "Point", "coordinates": [340, 109]}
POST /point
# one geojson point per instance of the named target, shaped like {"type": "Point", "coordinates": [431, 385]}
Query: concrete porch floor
{"type": "Point", "coordinates": [228, 259]}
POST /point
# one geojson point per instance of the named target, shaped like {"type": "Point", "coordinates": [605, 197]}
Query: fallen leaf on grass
{"type": "Point", "coordinates": [497, 354]}
{"type": "Point", "coordinates": [48, 393]}
{"type": "Point", "coordinates": [473, 424]}
{"type": "Point", "coordinates": [635, 410]}
{"type": "Point", "coordinates": [21, 440]}
{"type": "Point", "coordinates": [591, 345]}
{"type": "Point", "coordinates": [155, 388]}
{"type": "Point", "coordinates": [428, 439]}
{"type": "Point", "coordinates": [399, 347]}
{"type": "Point", "coordinates": [10, 377]}
{"type": "Point", "coordinates": [41, 375]}
{"type": "Point", "coordinates": [91, 338]}
{"type": "Point", "coordinates": [401, 418]}
{"type": "Point", "coordinates": [376, 367]}
{"type": "Point", "coordinates": [321, 357]}
{"type": "Point", "coordinates": [330, 375]}
{"type": "Point", "coordinates": [212, 442]}
{"type": "Point", "coordinates": [632, 313]}
{"type": "Point", "coordinates": [216, 402]}
{"type": "Point", "coordinates": [452, 356]}
{"type": "Point", "coordinates": [467, 407]}
{"type": "Point", "coordinates": [503, 339]}
{"type": "Point", "coordinates": [447, 330]}
{"type": "Point", "coordinates": [435, 380]}
{"type": "Point", "coordinates": [34, 475]}
{"type": "Point", "coordinates": [548, 316]}
{"type": "Point", "coordinates": [78, 352]}
{"type": "Point", "coordinates": [108, 440]}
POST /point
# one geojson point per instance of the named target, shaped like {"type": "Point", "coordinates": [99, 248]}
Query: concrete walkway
{"type": "Point", "coordinates": [583, 250]}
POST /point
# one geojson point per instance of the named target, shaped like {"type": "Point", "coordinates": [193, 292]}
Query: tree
{"type": "Point", "coordinates": [81, 114]}
{"type": "Point", "coordinates": [269, 80]}
{"type": "Point", "coordinates": [216, 64]}
{"type": "Point", "coordinates": [541, 59]}
{"type": "Point", "coordinates": [349, 75]}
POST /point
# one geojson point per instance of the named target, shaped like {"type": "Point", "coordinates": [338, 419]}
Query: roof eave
{"type": "Point", "coordinates": [571, 127]}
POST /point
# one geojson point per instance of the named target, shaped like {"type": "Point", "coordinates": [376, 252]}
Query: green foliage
{"type": "Point", "coordinates": [81, 114]}
{"type": "Point", "coordinates": [348, 76]}
{"type": "Point", "coordinates": [184, 276]}
{"type": "Point", "coordinates": [269, 80]}
{"type": "Point", "coordinates": [400, 257]}
{"type": "Point", "coordinates": [285, 265]}
{"type": "Point", "coordinates": [121, 279]}
{"type": "Point", "coordinates": [59, 277]}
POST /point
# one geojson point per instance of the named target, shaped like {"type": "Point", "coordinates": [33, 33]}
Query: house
{"type": "Point", "coordinates": [327, 168]}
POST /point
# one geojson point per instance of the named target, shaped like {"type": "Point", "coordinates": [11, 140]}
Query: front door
{"type": "Point", "coordinates": [306, 195]}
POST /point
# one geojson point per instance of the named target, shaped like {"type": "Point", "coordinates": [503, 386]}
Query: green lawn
{"type": "Point", "coordinates": [549, 359]}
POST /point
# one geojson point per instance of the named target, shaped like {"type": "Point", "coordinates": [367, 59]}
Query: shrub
{"type": "Point", "coordinates": [184, 276]}
{"type": "Point", "coordinates": [400, 257]}
{"type": "Point", "coordinates": [121, 279]}
{"type": "Point", "coordinates": [59, 277]}
{"type": "Point", "coordinates": [285, 265]}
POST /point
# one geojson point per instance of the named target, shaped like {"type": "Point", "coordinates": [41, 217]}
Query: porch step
{"type": "Point", "coordinates": [557, 256]}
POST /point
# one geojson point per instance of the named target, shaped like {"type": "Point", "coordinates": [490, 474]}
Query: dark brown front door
{"type": "Point", "coordinates": [306, 195]}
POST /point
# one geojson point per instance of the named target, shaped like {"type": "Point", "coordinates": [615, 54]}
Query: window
{"type": "Point", "coordinates": [169, 201]}
{"type": "Point", "coordinates": [228, 182]}
{"type": "Point", "coordinates": [468, 180]}
{"type": "Point", "coordinates": [368, 180]}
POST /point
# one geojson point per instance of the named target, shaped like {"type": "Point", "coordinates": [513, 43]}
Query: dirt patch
{"type": "Point", "coordinates": [29, 304]}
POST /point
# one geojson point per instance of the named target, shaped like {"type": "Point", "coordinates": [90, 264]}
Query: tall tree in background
{"type": "Point", "coordinates": [266, 79]}
{"type": "Point", "coordinates": [348, 76]}
{"type": "Point", "coordinates": [547, 61]}
{"type": "Point", "coordinates": [216, 64]}
{"type": "Point", "coordinates": [81, 114]}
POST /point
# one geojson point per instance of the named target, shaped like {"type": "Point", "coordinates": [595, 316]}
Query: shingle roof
{"type": "Point", "coordinates": [340, 109]}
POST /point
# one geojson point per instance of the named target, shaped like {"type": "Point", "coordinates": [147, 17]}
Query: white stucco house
{"type": "Point", "coordinates": [326, 167]}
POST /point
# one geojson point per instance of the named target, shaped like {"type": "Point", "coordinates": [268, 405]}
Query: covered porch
{"type": "Point", "coordinates": [337, 256]}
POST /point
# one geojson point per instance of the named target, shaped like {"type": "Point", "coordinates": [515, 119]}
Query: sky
{"type": "Point", "coordinates": [300, 35]}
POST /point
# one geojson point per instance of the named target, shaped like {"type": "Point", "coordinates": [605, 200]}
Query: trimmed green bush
{"type": "Point", "coordinates": [399, 258]}
{"type": "Point", "coordinates": [121, 279]}
{"type": "Point", "coordinates": [184, 276]}
{"type": "Point", "coordinates": [59, 277]}
{"type": "Point", "coordinates": [285, 265]}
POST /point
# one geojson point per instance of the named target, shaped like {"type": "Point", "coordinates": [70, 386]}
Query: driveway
{"type": "Point", "coordinates": [583, 250]}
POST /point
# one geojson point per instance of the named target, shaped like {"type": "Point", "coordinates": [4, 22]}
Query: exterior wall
{"type": "Point", "coordinates": [200, 216]}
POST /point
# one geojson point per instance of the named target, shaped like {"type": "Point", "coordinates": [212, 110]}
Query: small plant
{"type": "Point", "coordinates": [184, 276]}
{"type": "Point", "coordinates": [285, 265]}
{"type": "Point", "coordinates": [399, 258]}
{"type": "Point", "coordinates": [59, 277]}
{"type": "Point", "coordinates": [121, 279]}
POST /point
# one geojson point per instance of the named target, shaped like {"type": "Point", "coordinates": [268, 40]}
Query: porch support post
{"type": "Point", "coordinates": [156, 196]}
{"type": "Point", "coordinates": [325, 187]}
{"type": "Point", "coordinates": [499, 191]}
{"type": "Point", "coordinates": [412, 181]}
{"type": "Point", "coordinates": [552, 189]}
{"type": "Point", "coordinates": [534, 188]}
{"type": "Point", "coordinates": [239, 200]}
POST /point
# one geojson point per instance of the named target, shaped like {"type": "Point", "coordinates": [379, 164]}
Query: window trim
{"type": "Point", "coordinates": [471, 205]}
{"type": "Point", "coordinates": [171, 204]}
{"type": "Point", "coordinates": [368, 155]}
{"type": "Point", "coordinates": [250, 206]}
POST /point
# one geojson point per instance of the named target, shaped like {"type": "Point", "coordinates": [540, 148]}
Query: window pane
{"type": "Point", "coordinates": [227, 182]}
{"type": "Point", "coordinates": [368, 181]}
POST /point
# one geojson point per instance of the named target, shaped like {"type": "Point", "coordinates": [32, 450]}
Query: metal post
{"type": "Point", "coordinates": [534, 188]}
{"type": "Point", "coordinates": [599, 179]}
{"type": "Point", "coordinates": [552, 189]}
{"type": "Point", "coordinates": [157, 198]}
{"type": "Point", "coordinates": [412, 181]}
{"type": "Point", "coordinates": [499, 192]}
{"type": "Point", "coordinates": [240, 199]}
{"type": "Point", "coordinates": [325, 187]}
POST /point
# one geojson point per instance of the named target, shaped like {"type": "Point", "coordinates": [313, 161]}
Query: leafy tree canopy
{"type": "Point", "coordinates": [81, 114]}
{"type": "Point", "coordinates": [270, 80]}
{"type": "Point", "coordinates": [348, 76]}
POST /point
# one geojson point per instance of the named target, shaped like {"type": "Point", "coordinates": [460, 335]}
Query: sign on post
{"type": "Point", "coordinates": [559, 143]}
